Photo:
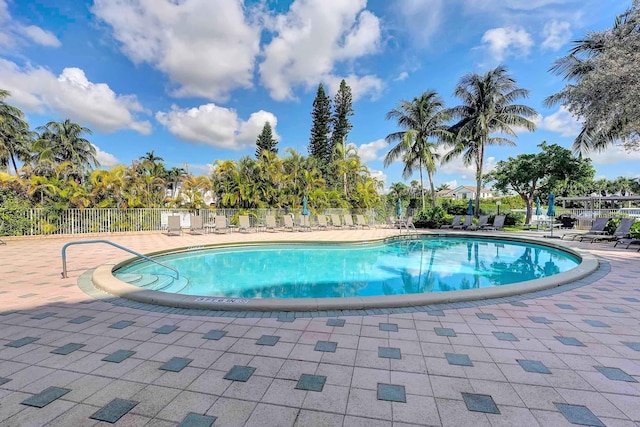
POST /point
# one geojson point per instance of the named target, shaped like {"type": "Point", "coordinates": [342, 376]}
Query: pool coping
{"type": "Point", "coordinates": [103, 279]}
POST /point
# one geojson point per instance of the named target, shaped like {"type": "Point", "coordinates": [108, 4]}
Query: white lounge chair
{"type": "Point", "coordinates": [348, 221]}
{"type": "Point", "coordinates": [335, 221]}
{"type": "Point", "coordinates": [173, 226]}
{"type": "Point", "coordinates": [221, 224]}
{"type": "Point", "coordinates": [288, 223]}
{"type": "Point", "coordinates": [196, 226]}
{"type": "Point", "coordinates": [322, 222]}
{"type": "Point", "coordinates": [361, 222]}
{"type": "Point", "coordinates": [244, 223]}
{"type": "Point", "coordinates": [270, 223]}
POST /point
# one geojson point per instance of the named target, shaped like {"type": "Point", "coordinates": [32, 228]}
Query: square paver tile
{"type": "Point", "coordinates": [269, 340]}
{"type": "Point", "coordinates": [480, 403]}
{"type": "Point", "coordinates": [196, 420]}
{"type": "Point", "coordinates": [285, 319]}
{"type": "Point", "coordinates": [505, 336]}
{"type": "Point", "coordinates": [632, 345]}
{"type": "Point", "coordinates": [584, 296]}
{"type": "Point", "coordinates": [390, 327]}
{"type": "Point", "coordinates": [43, 315]}
{"type": "Point", "coordinates": [391, 393]}
{"type": "Point", "coordinates": [239, 373]}
{"type": "Point", "coordinates": [336, 322]}
{"type": "Point", "coordinates": [616, 309]}
{"type": "Point", "coordinates": [519, 304]}
{"type": "Point", "coordinates": [311, 382]}
{"type": "Point", "coordinates": [631, 299]}
{"type": "Point", "coordinates": [565, 306]}
{"type": "Point", "coordinates": [166, 329]}
{"type": "Point", "coordinates": [437, 313]}
{"type": "Point", "coordinates": [486, 316]}
{"type": "Point", "coordinates": [326, 346]}
{"type": "Point", "coordinates": [570, 341]}
{"type": "Point", "coordinates": [45, 397]}
{"type": "Point", "coordinates": [67, 348]}
{"type": "Point", "coordinates": [577, 414]}
{"type": "Point", "coordinates": [616, 374]}
{"type": "Point", "coordinates": [121, 324]}
{"type": "Point", "coordinates": [445, 332]}
{"type": "Point", "coordinates": [114, 410]}
{"type": "Point", "coordinates": [596, 323]}
{"type": "Point", "coordinates": [21, 342]}
{"type": "Point", "coordinates": [81, 319]}
{"type": "Point", "coordinates": [118, 356]}
{"type": "Point", "coordinates": [540, 319]}
{"type": "Point", "coordinates": [389, 353]}
{"type": "Point", "coordinates": [458, 359]}
{"type": "Point", "coordinates": [534, 366]}
{"type": "Point", "coordinates": [214, 335]}
{"type": "Point", "coordinates": [176, 364]}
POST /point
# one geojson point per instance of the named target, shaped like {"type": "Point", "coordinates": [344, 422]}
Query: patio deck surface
{"type": "Point", "coordinates": [68, 359]}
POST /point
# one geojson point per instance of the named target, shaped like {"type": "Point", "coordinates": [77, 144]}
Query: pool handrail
{"type": "Point", "coordinates": [83, 242]}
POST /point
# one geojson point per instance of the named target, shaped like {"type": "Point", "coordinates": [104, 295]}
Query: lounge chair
{"type": "Point", "coordinates": [288, 223]}
{"type": "Point", "coordinates": [196, 226]}
{"type": "Point", "coordinates": [221, 225]}
{"type": "Point", "coordinates": [454, 222]}
{"type": "Point", "coordinates": [482, 222]}
{"type": "Point", "coordinates": [498, 223]}
{"type": "Point", "coordinates": [596, 228]}
{"type": "Point", "coordinates": [621, 232]}
{"type": "Point", "coordinates": [629, 241]}
{"type": "Point", "coordinates": [322, 222]}
{"type": "Point", "coordinates": [348, 221]}
{"type": "Point", "coordinates": [303, 222]}
{"type": "Point", "coordinates": [173, 225]}
{"type": "Point", "coordinates": [270, 223]}
{"type": "Point", "coordinates": [391, 223]}
{"type": "Point", "coordinates": [468, 220]}
{"type": "Point", "coordinates": [244, 223]}
{"type": "Point", "coordinates": [408, 224]}
{"type": "Point", "coordinates": [335, 221]}
{"type": "Point", "coordinates": [361, 222]}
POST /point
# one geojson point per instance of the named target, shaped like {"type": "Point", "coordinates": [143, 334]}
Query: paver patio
{"type": "Point", "coordinates": [67, 359]}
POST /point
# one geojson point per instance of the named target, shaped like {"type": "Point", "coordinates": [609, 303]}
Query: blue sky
{"type": "Point", "coordinates": [195, 80]}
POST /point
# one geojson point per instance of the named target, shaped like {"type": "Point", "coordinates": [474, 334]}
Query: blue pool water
{"type": "Point", "coordinates": [405, 266]}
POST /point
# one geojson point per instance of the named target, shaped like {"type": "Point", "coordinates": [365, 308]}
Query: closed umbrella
{"type": "Point", "coordinates": [538, 209]}
{"type": "Point", "coordinates": [470, 208]}
{"type": "Point", "coordinates": [399, 208]}
{"type": "Point", "coordinates": [551, 211]}
{"type": "Point", "coordinates": [305, 212]}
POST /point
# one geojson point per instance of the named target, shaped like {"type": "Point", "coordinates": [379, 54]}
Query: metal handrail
{"type": "Point", "coordinates": [64, 255]}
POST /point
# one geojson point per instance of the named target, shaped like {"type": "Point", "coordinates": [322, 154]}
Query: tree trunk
{"type": "Point", "coordinates": [478, 186]}
{"type": "Point", "coordinates": [527, 201]}
{"type": "Point", "coordinates": [433, 190]}
{"type": "Point", "coordinates": [422, 187]}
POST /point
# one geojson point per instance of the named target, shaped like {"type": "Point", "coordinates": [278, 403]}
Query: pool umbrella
{"type": "Point", "coordinates": [470, 208]}
{"type": "Point", "coordinates": [399, 208]}
{"type": "Point", "coordinates": [538, 210]}
{"type": "Point", "coordinates": [551, 213]}
{"type": "Point", "coordinates": [305, 208]}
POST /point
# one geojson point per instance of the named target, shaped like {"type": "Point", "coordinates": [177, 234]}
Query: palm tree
{"type": "Point", "coordinates": [15, 135]}
{"type": "Point", "coordinates": [64, 141]}
{"type": "Point", "coordinates": [487, 107]}
{"type": "Point", "coordinates": [422, 118]}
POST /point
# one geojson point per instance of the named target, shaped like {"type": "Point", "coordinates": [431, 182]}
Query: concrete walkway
{"type": "Point", "coordinates": [69, 360]}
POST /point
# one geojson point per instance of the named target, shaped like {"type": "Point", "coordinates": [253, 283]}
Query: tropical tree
{"type": "Point", "coordinates": [487, 107]}
{"type": "Point", "coordinates": [266, 141]}
{"type": "Point", "coordinates": [422, 119]}
{"type": "Point", "coordinates": [15, 136]}
{"type": "Point", "coordinates": [320, 129]}
{"type": "Point", "coordinates": [342, 110]}
{"type": "Point", "coordinates": [62, 142]}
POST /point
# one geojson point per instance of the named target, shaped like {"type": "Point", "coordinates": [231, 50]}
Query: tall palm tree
{"type": "Point", "coordinates": [487, 107]}
{"type": "Point", "coordinates": [64, 141]}
{"type": "Point", "coordinates": [422, 118]}
{"type": "Point", "coordinates": [15, 135]}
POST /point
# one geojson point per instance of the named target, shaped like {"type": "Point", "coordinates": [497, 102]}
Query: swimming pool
{"type": "Point", "coordinates": [418, 265]}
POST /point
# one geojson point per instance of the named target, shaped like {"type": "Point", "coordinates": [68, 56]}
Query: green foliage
{"type": "Point", "coordinates": [514, 218]}
{"type": "Point", "coordinates": [611, 226]}
{"type": "Point", "coordinates": [265, 141]}
{"type": "Point", "coordinates": [431, 217]}
{"type": "Point", "coordinates": [320, 128]}
{"type": "Point", "coordinates": [635, 230]}
{"type": "Point", "coordinates": [13, 214]}
{"type": "Point", "coordinates": [342, 110]}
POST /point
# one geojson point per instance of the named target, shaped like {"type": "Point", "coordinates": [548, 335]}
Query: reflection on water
{"type": "Point", "coordinates": [397, 267]}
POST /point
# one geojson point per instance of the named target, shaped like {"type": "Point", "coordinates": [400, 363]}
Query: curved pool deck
{"type": "Point", "coordinates": [103, 278]}
{"type": "Point", "coordinates": [546, 358]}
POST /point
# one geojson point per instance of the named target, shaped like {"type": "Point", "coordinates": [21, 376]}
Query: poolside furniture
{"type": "Point", "coordinates": [391, 223]}
{"type": "Point", "coordinates": [288, 223]}
{"type": "Point", "coordinates": [596, 228]}
{"type": "Point", "coordinates": [221, 225]}
{"type": "Point", "coordinates": [335, 221]}
{"type": "Point", "coordinates": [303, 222]}
{"type": "Point", "coordinates": [196, 226]}
{"type": "Point", "coordinates": [621, 232]}
{"type": "Point", "coordinates": [244, 224]}
{"type": "Point", "coordinates": [629, 241]}
{"type": "Point", "coordinates": [408, 224]}
{"type": "Point", "coordinates": [498, 223]}
{"type": "Point", "coordinates": [468, 220]}
{"type": "Point", "coordinates": [270, 223]}
{"type": "Point", "coordinates": [361, 222]}
{"type": "Point", "coordinates": [322, 222]}
{"type": "Point", "coordinates": [173, 226]}
{"type": "Point", "coordinates": [348, 221]}
{"type": "Point", "coordinates": [482, 222]}
{"type": "Point", "coordinates": [455, 221]}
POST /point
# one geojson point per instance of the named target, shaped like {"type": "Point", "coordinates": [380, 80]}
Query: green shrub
{"type": "Point", "coordinates": [635, 230]}
{"type": "Point", "coordinates": [611, 226]}
{"type": "Point", "coordinates": [13, 214]}
{"type": "Point", "coordinates": [431, 218]}
{"type": "Point", "coordinates": [514, 218]}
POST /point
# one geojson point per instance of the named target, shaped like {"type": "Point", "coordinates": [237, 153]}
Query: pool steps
{"type": "Point", "coordinates": [155, 282]}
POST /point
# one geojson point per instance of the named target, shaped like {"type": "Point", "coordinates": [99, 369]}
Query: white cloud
{"type": "Point", "coordinates": [207, 49]}
{"type": "Point", "coordinates": [421, 18]}
{"type": "Point", "coordinates": [360, 86]}
{"type": "Point", "coordinates": [105, 159]}
{"type": "Point", "coordinates": [12, 32]}
{"type": "Point", "coordinates": [72, 95]}
{"type": "Point", "coordinates": [507, 41]}
{"type": "Point", "coordinates": [556, 34]}
{"type": "Point", "coordinates": [452, 184]}
{"type": "Point", "coordinates": [457, 167]}
{"type": "Point", "coordinates": [380, 176]}
{"type": "Point", "coordinates": [402, 76]}
{"type": "Point", "coordinates": [562, 122]}
{"type": "Point", "coordinates": [216, 126]}
{"type": "Point", "coordinates": [614, 154]}
{"type": "Point", "coordinates": [311, 38]}
{"type": "Point", "coordinates": [369, 151]}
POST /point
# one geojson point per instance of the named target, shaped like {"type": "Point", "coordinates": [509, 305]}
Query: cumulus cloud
{"type": "Point", "coordinates": [311, 38]}
{"type": "Point", "coordinates": [556, 34]}
{"type": "Point", "coordinates": [402, 76]}
{"type": "Point", "coordinates": [72, 95]}
{"type": "Point", "coordinates": [614, 154]}
{"type": "Point", "coordinates": [507, 41]}
{"type": "Point", "coordinates": [421, 18]}
{"type": "Point", "coordinates": [216, 126]}
{"type": "Point", "coordinates": [369, 151]}
{"type": "Point", "coordinates": [457, 167]}
{"type": "Point", "coordinates": [207, 50]}
{"type": "Point", "coordinates": [12, 32]}
{"type": "Point", "coordinates": [562, 122]}
{"type": "Point", "coordinates": [105, 159]}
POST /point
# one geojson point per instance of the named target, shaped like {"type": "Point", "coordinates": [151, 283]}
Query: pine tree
{"type": "Point", "coordinates": [265, 141]}
{"type": "Point", "coordinates": [320, 129]}
{"type": "Point", "coordinates": [342, 109]}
